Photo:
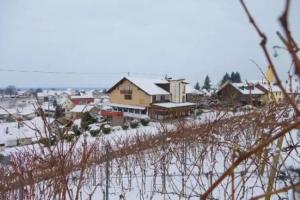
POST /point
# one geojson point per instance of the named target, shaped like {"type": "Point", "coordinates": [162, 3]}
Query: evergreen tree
{"type": "Point", "coordinates": [226, 78]}
{"type": "Point", "coordinates": [59, 112]}
{"type": "Point", "coordinates": [54, 103]}
{"type": "Point", "coordinates": [232, 77]}
{"type": "Point", "coordinates": [11, 90]}
{"type": "Point", "coordinates": [238, 78]}
{"type": "Point", "coordinates": [86, 120]}
{"type": "Point", "coordinates": [207, 84]}
{"type": "Point", "coordinates": [38, 90]}
{"type": "Point", "coordinates": [197, 86]}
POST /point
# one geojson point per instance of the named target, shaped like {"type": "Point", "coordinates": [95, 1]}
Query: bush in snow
{"type": "Point", "coordinates": [145, 121]}
{"type": "Point", "coordinates": [125, 126]}
{"type": "Point", "coordinates": [95, 132]}
{"type": "Point", "coordinates": [198, 112]}
{"type": "Point", "coordinates": [134, 123]}
{"type": "Point", "coordinates": [106, 129]}
{"type": "Point", "coordinates": [69, 137]}
{"type": "Point", "coordinates": [76, 130]}
{"type": "Point", "coordinates": [48, 141]}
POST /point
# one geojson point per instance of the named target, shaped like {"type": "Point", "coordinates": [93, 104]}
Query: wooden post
{"type": "Point", "coordinates": [274, 169]}
{"type": "Point", "coordinates": [107, 174]}
{"type": "Point", "coordinates": [232, 175]}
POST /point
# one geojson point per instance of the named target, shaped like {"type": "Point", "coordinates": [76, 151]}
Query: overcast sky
{"type": "Point", "coordinates": [182, 38]}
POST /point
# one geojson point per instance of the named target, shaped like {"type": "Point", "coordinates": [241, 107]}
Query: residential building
{"type": "Point", "coordinates": [82, 100]}
{"type": "Point", "coordinates": [78, 110]}
{"type": "Point", "coordinates": [200, 98]}
{"type": "Point", "coordinates": [239, 94]}
{"type": "Point", "coordinates": [157, 98]}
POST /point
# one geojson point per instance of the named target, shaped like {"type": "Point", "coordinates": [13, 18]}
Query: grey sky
{"type": "Point", "coordinates": [182, 38]}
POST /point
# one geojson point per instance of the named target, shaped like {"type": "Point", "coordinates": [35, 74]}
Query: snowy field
{"type": "Point", "coordinates": [177, 169]}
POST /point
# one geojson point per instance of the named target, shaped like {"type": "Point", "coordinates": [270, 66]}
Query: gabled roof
{"type": "Point", "coordinates": [190, 90]}
{"type": "Point", "coordinates": [82, 108]}
{"type": "Point", "coordinates": [174, 105]}
{"type": "Point", "coordinates": [147, 85]}
{"type": "Point", "coordinates": [272, 87]}
{"type": "Point", "coordinates": [243, 88]}
{"type": "Point", "coordinates": [82, 97]}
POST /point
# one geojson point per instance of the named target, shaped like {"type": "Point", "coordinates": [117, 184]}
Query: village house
{"type": "Point", "coordinates": [82, 100]}
{"type": "Point", "coordinates": [45, 97]}
{"type": "Point", "coordinates": [199, 97]}
{"type": "Point", "coordinates": [275, 94]}
{"type": "Point", "coordinates": [158, 99]}
{"type": "Point", "coordinates": [12, 114]}
{"type": "Point", "coordinates": [78, 110]}
{"type": "Point", "coordinates": [49, 109]}
{"type": "Point", "coordinates": [240, 94]}
{"type": "Point", "coordinates": [256, 93]}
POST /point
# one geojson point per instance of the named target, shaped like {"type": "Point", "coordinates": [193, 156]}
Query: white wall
{"type": "Point", "coordinates": [178, 91]}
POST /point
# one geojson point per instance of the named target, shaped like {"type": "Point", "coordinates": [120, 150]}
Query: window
{"type": "Point", "coordinates": [128, 96]}
{"type": "Point", "coordinates": [126, 89]}
{"type": "Point", "coordinates": [162, 98]}
{"type": "Point", "coordinates": [154, 98]}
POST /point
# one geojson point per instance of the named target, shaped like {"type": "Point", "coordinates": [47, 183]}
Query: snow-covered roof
{"type": "Point", "coordinates": [244, 88]}
{"type": "Point", "coordinates": [149, 85]}
{"type": "Point", "coordinates": [82, 108]}
{"type": "Point", "coordinates": [48, 106]}
{"type": "Point", "coordinates": [295, 86]}
{"type": "Point", "coordinates": [15, 132]}
{"type": "Point", "coordinates": [28, 109]}
{"type": "Point", "coordinates": [134, 115]}
{"type": "Point", "coordinates": [174, 105]}
{"type": "Point", "coordinates": [106, 108]}
{"type": "Point", "coordinates": [82, 97]}
{"type": "Point", "coordinates": [146, 84]}
{"type": "Point", "coordinates": [47, 93]}
{"type": "Point", "coordinates": [42, 94]}
{"type": "Point", "coordinates": [190, 90]}
{"type": "Point", "coordinates": [127, 106]}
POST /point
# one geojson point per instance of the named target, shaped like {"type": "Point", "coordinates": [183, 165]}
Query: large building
{"type": "Point", "coordinates": [157, 98]}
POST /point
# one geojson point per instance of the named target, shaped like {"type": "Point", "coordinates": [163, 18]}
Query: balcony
{"type": "Point", "coordinates": [126, 91]}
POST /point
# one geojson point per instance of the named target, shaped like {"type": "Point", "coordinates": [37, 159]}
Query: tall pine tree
{"type": "Point", "coordinates": [226, 78]}
{"type": "Point", "coordinates": [207, 83]}
{"type": "Point", "coordinates": [238, 78]}
{"type": "Point", "coordinates": [197, 86]}
{"type": "Point", "coordinates": [232, 77]}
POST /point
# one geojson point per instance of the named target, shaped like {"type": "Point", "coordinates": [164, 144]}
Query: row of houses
{"type": "Point", "coordinates": [256, 93]}
{"type": "Point", "coordinates": [166, 98]}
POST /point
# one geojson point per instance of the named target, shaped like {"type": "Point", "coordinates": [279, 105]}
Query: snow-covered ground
{"type": "Point", "coordinates": [177, 170]}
